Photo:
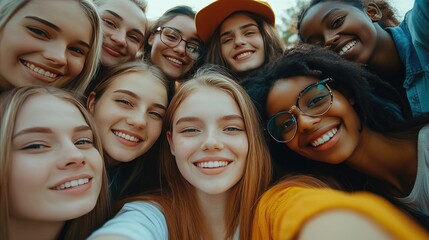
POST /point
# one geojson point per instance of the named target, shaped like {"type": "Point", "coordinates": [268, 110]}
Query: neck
{"type": "Point", "coordinates": [213, 208]}
{"type": "Point", "coordinates": [386, 61]}
{"type": "Point", "coordinates": [390, 160]}
{"type": "Point", "coordinates": [21, 229]}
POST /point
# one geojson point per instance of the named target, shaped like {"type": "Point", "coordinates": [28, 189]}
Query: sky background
{"type": "Point", "coordinates": [157, 7]}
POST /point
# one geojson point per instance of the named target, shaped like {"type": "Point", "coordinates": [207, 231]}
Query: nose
{"type": "Point", "coordinates": [71, 156]}
{"type": "Point", "coordinates": [180, 48]}
{"type": "Point", "coordinates": [331, 39]}
{"type": "Point", "coordinates": [212, 141]}
{"type": "Point", "coordinates": [239, 41]}
{"type": "Point", "coordinates": [119, 37]}
{"type": "Point", "coordinates": [137, 120]}
{"type": "Point", "coordinates": [56, 53]}
{"type": "Point", "coordinates": [305, 122]}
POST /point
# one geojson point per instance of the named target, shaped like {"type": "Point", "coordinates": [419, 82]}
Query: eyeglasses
{"type": "Point", "coordinates": [315, 100]}
{"type": "Point", "coordinates": [171, 37]}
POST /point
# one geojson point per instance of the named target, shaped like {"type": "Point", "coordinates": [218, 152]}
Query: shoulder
{"type": "Point", "coordinates": [136, 220]}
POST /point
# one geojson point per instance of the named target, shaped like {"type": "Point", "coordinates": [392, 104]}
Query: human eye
{"type": "Point", "coordinates": [189, 131]}
{"type": "Point", "coordinates": [233, 129]}
{"type": "Point", "coordinates": [337, 22]}
{"type": "Point", "coordinates": [124, 102]}
{"type": "Point", "coordinates": [135, 38]}
{"type": "Point", "coordinates": [38, 32]}
{"type": "Point", "coordinates": [84, 141]}
{"type": "Point", "coordinates": [34, 146]}
{"type": "Point", "coordinates": [78, 51]}
{"type": "Point", "coordinates": [109, 22]}
{"type": "Point", "coordinates": [317, 100]}
{"type": "Point", "coordinates": [225, 40]}
{"type": "Point", "coordinates": [286, 126]}
{"type": "Point", "coordinates": [171, 35]}
{"type": "Point", "coordinates": [156, 115]}
{"type": "Point", "coordinates": [192, 47]}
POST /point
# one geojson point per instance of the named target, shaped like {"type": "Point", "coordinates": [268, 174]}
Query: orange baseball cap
{"type": "Point", "coordinates": [212, 15]}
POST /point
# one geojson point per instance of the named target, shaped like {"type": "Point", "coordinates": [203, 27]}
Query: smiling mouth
{"type": "Point", "coordinates": [212, 164]}
{"type": "Point", "coordinates": [72, 184]}
{"type": "Point", "coordinates": [127, 136]}
{"type": "Point", "coordinates": [347, 47]}
{"type": "Point", "coordinates": [39, 70]}
{"type": "Point", "coordinates": [325, 138]}
{"type": "Point", "coordinates": [243, 55]}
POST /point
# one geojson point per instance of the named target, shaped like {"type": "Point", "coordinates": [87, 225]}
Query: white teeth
{"type": "Point", "coordinates": [347, 47]}
{"type": "Point", "coordinates": [175, 60]}
{"type": "Point", "coordinates": [40, 70]}
{"type": "Point", "coordinates": [324, 138]}
{"type": "Point", "coordinates": [126, 136]}
{"type": "Point", "coordinates": [242, 55]}
{"type": "Point", "coordinates": [73, 183]}
{"type": "Point", "coordinates": [214, 164]}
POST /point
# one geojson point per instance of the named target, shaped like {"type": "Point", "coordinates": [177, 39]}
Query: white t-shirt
{"type": "Point", "coordinates": [136, 220]}
{"type": "Point", "coordinates": [418, 199]}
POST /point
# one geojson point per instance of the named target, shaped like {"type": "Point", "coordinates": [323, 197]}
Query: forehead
{"type": "Point", "coordinates": [47, 110]}
{"type": "Point", "coordinates": [236, 20]}
{"type": "Point", "coordinates": [136, 80]}
{"type": "Point", "coordinates": [127, 9]}
{"type": "Point", "coordinates": [207, 101]}
{"type": "Point", "coordinates": [184, 24]}
{"type": "Point", "coordinates": [321, 9]}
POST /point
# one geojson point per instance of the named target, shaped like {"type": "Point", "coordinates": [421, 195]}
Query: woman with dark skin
{"type": "Point", "coordinates": [399, 55]}
{"type": "Point", "coordinates": [323, 108]}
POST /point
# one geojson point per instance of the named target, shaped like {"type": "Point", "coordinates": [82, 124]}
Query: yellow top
{"type": "Point", "coordinates": [281, 212]}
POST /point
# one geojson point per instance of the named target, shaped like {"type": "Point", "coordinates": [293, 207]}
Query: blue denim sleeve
{"type": "Point", "coordinates": [418, 24]}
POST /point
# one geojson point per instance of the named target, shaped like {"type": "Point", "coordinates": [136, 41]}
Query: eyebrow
{"type": "Point", "coordinates": [114, 14]}
{"type": "Point", "coordinates": [55, 27]}
{"type": "Point", "coordinates": [195, 119]}
{"type": "Point", "coordinates": [132, 94]}
{"type": "Point", "coordinates": [241, 28]}
{"type": "Point", "coordinates": [46, 130]}
{"type": "Point", "coordinates": [43, 21]}
{"type": "Point", "coordinates": [329, 13]}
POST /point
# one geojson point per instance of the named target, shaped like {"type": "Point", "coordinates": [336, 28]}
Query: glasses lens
{"type": "Point", "coordinates": [193, 50]}
{"type": "Point", "coordinates": [282, 127]}
{"type": "Point", "coordinates": [170, 37]}
{"type": "Point", "coordinates": [315, 100]}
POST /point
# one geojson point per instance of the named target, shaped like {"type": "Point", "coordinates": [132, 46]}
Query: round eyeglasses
{"type": "Point", "coordinates": [172, 37]}
{"type": "Point", "coordinates": [315, 100]}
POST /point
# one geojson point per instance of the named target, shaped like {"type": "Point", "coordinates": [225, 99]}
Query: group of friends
{"type": "Point", "coordinates": [204, 125]}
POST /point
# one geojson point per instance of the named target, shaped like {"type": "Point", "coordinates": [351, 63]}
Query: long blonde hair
{"type": "Point", "coordinates": [10, 104]}
{"type": "Point", "coordinates": [178, 198]}
{"type": "Point", "coordinates": [8, 8]}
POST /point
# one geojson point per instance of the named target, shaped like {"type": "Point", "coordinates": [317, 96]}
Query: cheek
{"type": "Point", "coordinates": [155, 128]}
{"type": "Point", "coordinates": [75, 66]}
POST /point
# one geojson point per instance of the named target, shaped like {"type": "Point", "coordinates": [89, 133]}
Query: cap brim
{"type": "Point", "coordinates": [211, 16]}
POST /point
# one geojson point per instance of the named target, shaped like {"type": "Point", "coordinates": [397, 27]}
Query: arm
{"type": "Point", "coordinates": [136, 220]}
{"type": "Point", "coordinates": [418, 22]}
{"type": "Point", "coordinates": [284, 212]}
{"type": "Point", "coordinates": [342, 224]}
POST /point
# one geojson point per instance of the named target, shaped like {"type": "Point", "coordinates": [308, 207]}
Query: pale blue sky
{"type": "Point", "coordinates": [157, 7]}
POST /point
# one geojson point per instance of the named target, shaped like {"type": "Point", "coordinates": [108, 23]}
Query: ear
{"type": "Point", "coordinates": [90, 102]}
{"type": "Point", "coordinates": [151, 38]}
{"type": "Point", "coordinates": [170, 141]}
{"type": "Point", "coordinates": [374, 12]}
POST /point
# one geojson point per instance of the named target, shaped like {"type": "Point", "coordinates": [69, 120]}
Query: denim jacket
{"type": "Point", "coordinates": [411, 38]}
